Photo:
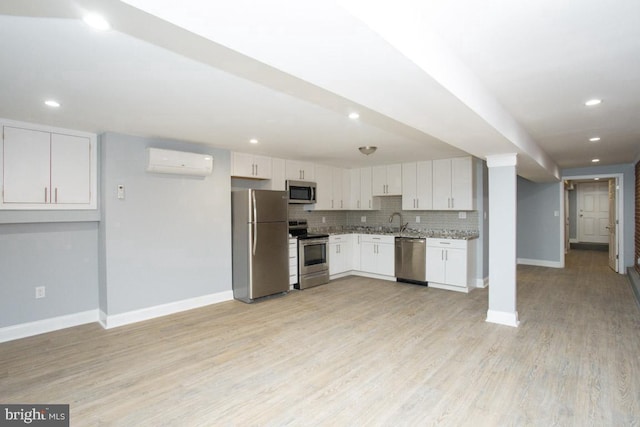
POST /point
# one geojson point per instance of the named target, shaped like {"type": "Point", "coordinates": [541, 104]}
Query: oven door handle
{"type": "Point", "coordinates": [255, 223]}
{"type": "Point", "coordinates": [307, 242]}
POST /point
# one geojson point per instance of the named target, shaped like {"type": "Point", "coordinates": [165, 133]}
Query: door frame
{"type": "Point", "coordinates": [619, 177]}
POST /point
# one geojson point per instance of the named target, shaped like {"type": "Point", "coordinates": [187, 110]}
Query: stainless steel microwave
{"type": "Point", "coordinates": [301, 191]}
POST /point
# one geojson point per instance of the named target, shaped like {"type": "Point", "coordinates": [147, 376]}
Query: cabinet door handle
{"type": "Point", "coordinates": [417, 203]}
{"type": "Point", "coordinates": [332, 204]}
{"type": "Point", "coordinates": [256, 170]}
{"type": "Point", "coordinates": [341, 204]}
{"type": "Point", "coordinates": [45, 194]}
{"type": "Point", "coordinates": [446, 255]}
{"type": "Point", "coordinates": [369, 203]}
{"type": "Point", "coordinates": [358, 204]}
{"type": "Point", "coordinates": [56, 193]}
{"type": "Point", "coordinates": [452, 202]}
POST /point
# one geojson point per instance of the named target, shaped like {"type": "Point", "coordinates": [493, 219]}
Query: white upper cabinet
{"type": "Point", "coordinates": [300, 171]}
{"type": "Point", "coordinates": [332, 188]}
{"type": "Point", "coordinates": [324, 188]}
{"type": "Point", "coordinates": [43, 169]}
{"type": "Point", "coordinates": [250, 166]}
{"type": "Point", "coordinates": [360, 197]}
{"type": "Point", "coordinates": [387, 180]}
{"type": "Point", "coordinates": [70, 169]}
{"type": "Point", "coordinates": [454, 184]}
{"type": "Point", "coordinates": [417, 186]}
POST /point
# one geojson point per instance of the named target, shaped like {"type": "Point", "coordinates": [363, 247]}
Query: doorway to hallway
{"type": "Point", "coordinates": [592, 216]}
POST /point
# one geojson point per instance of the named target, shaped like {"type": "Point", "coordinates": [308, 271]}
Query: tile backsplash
{"type": "Point", "coordinates": [429, 220]}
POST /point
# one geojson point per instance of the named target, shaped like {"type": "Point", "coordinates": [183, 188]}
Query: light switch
{"type": "Point", "coordinates": [418, 219]}
{"type": "Point", "coordinates": [121, 191]}
{"type": "Point", "coordinates": [363, 219]}
{"type": "Point", "coordinates": [556, 213]}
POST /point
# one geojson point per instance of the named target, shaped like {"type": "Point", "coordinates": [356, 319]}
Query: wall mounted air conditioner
{"type": "Point", "coordinates": [179, 162]}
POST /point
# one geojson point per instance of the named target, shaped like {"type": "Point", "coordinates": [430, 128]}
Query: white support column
{"type": "Point", "coordinates": [502, 239]}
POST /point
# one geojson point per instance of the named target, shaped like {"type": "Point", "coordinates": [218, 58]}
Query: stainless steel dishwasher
{"type": "Point", "coordinates": [411, 260]}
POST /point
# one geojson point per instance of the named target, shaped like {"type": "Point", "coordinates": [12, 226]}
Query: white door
{"type": "Point", "coordinates": [611, 228]}
{"type": "Point", "coordinates": [593, 212]}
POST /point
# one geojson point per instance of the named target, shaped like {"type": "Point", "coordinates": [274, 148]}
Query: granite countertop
{"type": "Point", "coordinates": [394, 231]}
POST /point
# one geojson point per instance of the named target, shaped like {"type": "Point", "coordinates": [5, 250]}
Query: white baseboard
{"type": "Point", "coordinates": [482, 283]}
{"type": "Point", "coordinates": [373, 275]}
{"type": "Point", "coordinates": [38, 327]}
{"type": "Point", "coordinates": [540, 263]}
{"type": "Point", "coordinates": [503, 318]}
{"type": "Point", "coordinates": [121, 319]}
{"type": "Point", "coordinates": [465, 290]}
{"type": "Point", "coordinates": [574, 240]}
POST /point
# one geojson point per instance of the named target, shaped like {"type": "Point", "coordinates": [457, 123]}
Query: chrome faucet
{"type": "Point", "coordinates": [402, 226]}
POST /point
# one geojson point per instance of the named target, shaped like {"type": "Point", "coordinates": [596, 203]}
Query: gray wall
{"type": "Point", "coordinates": [61, 256]}
{"type": "Point", "coordinates": [628, 172]}
{"type": "Point", "coordinates": [170, 239]}
{"type": "Point", "coordinates": [538, 229]}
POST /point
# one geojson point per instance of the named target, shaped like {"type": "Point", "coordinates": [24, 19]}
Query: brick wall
{"type": "Point", "coordinates": [637, 234]}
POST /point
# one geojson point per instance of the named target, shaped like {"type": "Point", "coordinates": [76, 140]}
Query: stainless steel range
{"type": "Point", "coordinates": [313, 261]}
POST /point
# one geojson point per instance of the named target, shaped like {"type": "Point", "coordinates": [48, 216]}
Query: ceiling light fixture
{"type": "Point", "coordinates": [595, 160]}
{"type": "Point", "coordinates": [592, 102]}
{"type": "Point", "coordinates": [594, 139]}
{"type": "Point", "coordinates": [96, 22]}
{"type": "Point", "coordinates": [367, 149]}
{"type": "Point", "coordinates": [52, 103]}
{"type": "Point", "coordinates": [596, 179]}
{"type": "Point", "coordinates": [253, 141]}
{"type": "Point", "coordinates": [354, 116]}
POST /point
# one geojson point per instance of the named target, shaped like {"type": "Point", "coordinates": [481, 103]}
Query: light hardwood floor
{"type": "Point", "coordinates": [355, 352]}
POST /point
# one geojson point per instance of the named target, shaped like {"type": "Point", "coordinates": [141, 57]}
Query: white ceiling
{"type": "Point", "coordinates": [430, 79]}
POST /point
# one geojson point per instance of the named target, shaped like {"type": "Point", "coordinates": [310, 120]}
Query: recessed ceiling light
{"type": "Point", "coordinates": [96, 21]}
{"type": "Point", "coordinates": [51, 103]}
{"type": "Point", "coordinates": [596, 179]}
{"type": "Point", "coordinates": [253, 141]}
{"type": "Point", "coordinates": [354, 116]}
{"type": "Point", "coordinates": [592, 102]}
{"type": "Point", "coordinates": [594, 139]}
{"type": "Point", "coordinates": [595, 160]}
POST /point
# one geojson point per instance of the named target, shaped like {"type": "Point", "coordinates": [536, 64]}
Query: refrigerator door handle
{"type": "Point", "coordinates": [255, 223]}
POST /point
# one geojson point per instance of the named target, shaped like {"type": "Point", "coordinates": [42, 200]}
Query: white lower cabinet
{"type": "Point", "coordinates": [340, 253]}
{"type": "Point", "coordinates": [377, 254]}
{"type": "Point", "coordinates": [293, 261]}
{"type": "Point", "coordinates": [451, 264]}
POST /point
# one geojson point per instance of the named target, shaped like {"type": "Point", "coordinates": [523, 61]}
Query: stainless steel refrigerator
{"type": "Point", "coordinates": [260, 243]}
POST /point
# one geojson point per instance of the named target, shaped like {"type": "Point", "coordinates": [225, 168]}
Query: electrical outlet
{"type": "Point", "coordinates": [462, 215]}
{"type": "Point", "coordinates": [324, 220]}
{"type": "Point", "coordinates": [363, 219]}
{"type": "Point", "coordinates": [40, 292]}
{"type": "Point", "coordinates": [418, 219]}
